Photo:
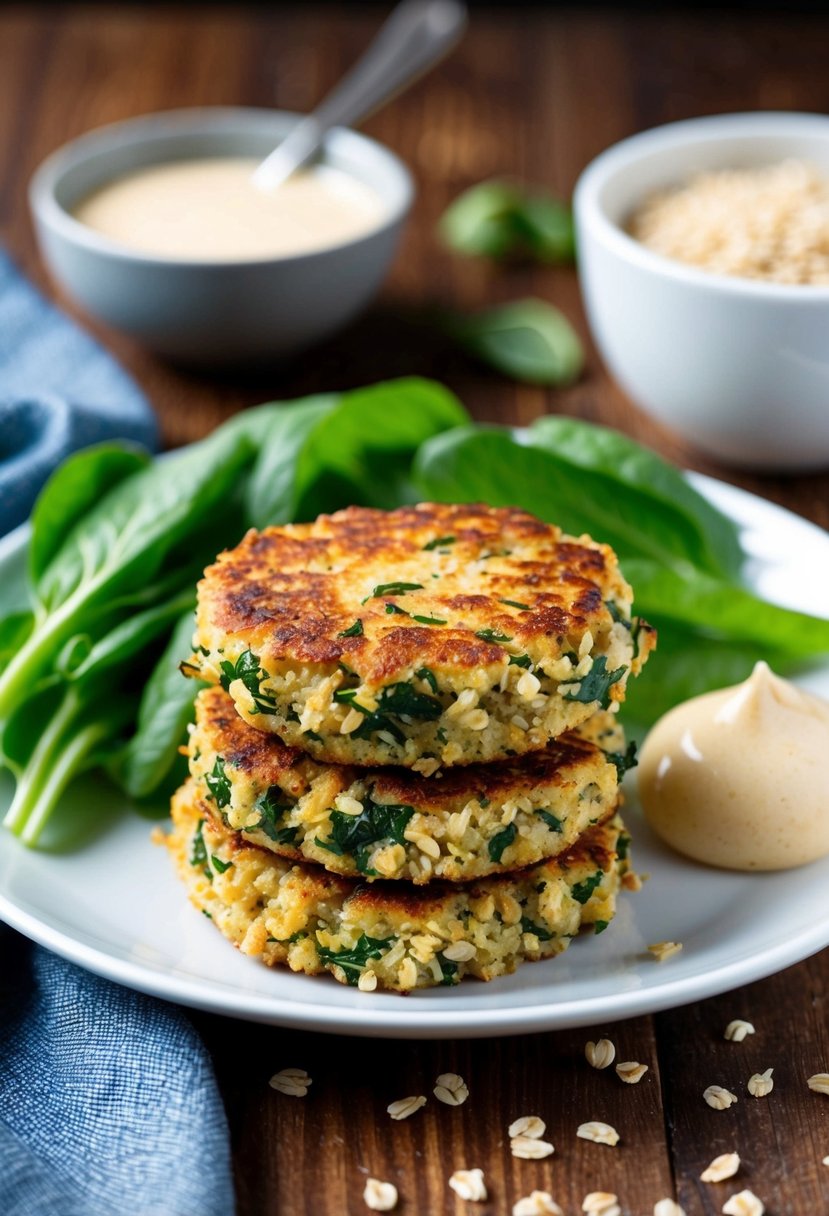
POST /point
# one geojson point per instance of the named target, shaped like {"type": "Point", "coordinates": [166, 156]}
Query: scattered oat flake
{"type": "Point", "coordinates": [722, 1167]}
{"type": "Point", "coordinates": [819, 1083]}
{"type": "Point", "coordinates": [719, 1098]}
{"type": "Point", "coordinates": [291, 1081]}
{"type": "Point", "coordinates": [760, 1084]}
{"type": "Point", "coordinates": [599, 1133]}
{"type": "Point", "coordinates": [662, 951]}
{"type": "Point", "coordinates": [527, 1125]}
{"type": "Point", "coordinates": [601, 1054]}
{"type": "Point", "coordinates": [530, 1148]}
{"type": "Point", "coordinates": [539, 1203]}
{"type": "Point", "coordinates": [380, 1196]}
{"type": "Point", "coordinates": [469, 1184]}
{"type": "Point", "coordinates": [451, 1089]}
{"type": "Point", "coordinates": [403, 1107]}
{"type": "Point", "coordinates": [744, 1203]}
{"type": "Point", "coordinates": [601, 1203]}
{"type": "Point", "coordinates": [667, 1207]}
{"type": "Point", "coordinates": [631, 1071]}
{"type": "Point", "coordinates": [737, 1030]}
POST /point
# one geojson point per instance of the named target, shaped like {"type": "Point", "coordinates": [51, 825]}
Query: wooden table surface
{"type": "Point", "coordinates": [534, 93]}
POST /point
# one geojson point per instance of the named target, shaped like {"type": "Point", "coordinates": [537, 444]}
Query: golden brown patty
{"type": "Point", "coordinates": [394, 823]}
{"type": "Point", "coordinates": [426, 636]}
{"type": "Point", "coordinates": [391, 935]}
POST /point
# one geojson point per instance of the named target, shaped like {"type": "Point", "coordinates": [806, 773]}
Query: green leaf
{"type": "Point", "coordinates": [118, 547]}
{"type": "Point", "coordinates": [218, 783]}
{"type": "Point", "coordinates": [165, 712]}
{"type": "Point", "coordinates": [361, 451]}
{"type": "Point", "coordinates": [724, 610]}
{"type": "Point", "coordinates": [481, 221]}
{"type": "Point", "coordinates": [624, 761]}
{"type": "Point", "coordinates": [529, 340]}
{"type": "Point", "coordinates": [360, 834]}
{"type": "Point", "coordinates": [272, 806]}
{"type": "Point", "coordinates": [528, 926]}
{"type": "Point", "coordinates": [272, 493]}
{"type": "Point", "coordinates": [599, 926]}
{"type": "Point", "coordinates": [552, 821]}
{"type": "Point", "coordinates": [14, 630]}
{"type": "Point", "coordinates": [198, 849]}
{"type": "Point", "coordinates": [353, 961]}
{"type": "Point", "coordinates": [394, 589]}
{"type": "Point", "coordinates": [426, 674]}
{"type": "Point", "coordinates": [596, 685]}
{"type": "Point", "coordinates": [501, 841]}
{"type": "Point", "coordinates": [448, 971]}
{"type": "Point", "coordinates": [498, 219]}
{"type": "Point", "coordinates": [468, 465]}
{"type": "Point", "coordinates": [218, 865]}
{"type": "Point", "coordinates": [247, 669]}
{"type": "Point", "coordinates": [546, 226]}
{"type": "Point", "coordinates": [438, 543]}
{"type": "Point", "coordinates": [713, 540]}
{"type": "Point", "coordinates": [354, 631]}
{"type": "Point", "coordinates": [72, 490]}
{"type": "Point", "coordinates": [582, 891]}
{"type": "Point", "coordinates": [492, 635]}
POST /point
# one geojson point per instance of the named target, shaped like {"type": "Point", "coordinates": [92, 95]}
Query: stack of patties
{"type": "Point", "coordinates": [406, 769]}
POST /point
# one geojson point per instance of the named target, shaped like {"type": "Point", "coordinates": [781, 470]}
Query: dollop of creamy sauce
{"type": "Point", "coordinates": [196, 210]}
{"type": "Point", "coordinates": [739, 778]}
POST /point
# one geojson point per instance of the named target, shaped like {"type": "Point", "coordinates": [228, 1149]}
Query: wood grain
{"type": "Point", "coordinates": [533, 93]}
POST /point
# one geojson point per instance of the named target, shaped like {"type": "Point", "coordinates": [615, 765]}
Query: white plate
{"type": "Point", "coordinates": [115, 907]}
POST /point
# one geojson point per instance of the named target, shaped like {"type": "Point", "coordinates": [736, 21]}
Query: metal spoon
{"type": "Point", "coordinates": [417, 34]}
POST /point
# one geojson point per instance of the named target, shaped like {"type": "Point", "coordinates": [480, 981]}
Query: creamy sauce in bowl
{"type": "Point", "coordinates": [210, 210]}
{"type": "Point", "coordinates": [739, 778]}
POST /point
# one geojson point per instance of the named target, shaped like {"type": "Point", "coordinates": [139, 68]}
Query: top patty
{"type": "Point", "coordinates": [435, 634]}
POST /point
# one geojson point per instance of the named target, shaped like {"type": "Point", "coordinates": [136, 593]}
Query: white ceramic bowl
{"type": "Point", "coordinates": [202, 311]}
{"type": "Point", "coordinates": [739, 367]}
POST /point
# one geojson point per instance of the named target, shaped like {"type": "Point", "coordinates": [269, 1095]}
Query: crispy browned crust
{"type": "Point", "coordinates": [291, 592]}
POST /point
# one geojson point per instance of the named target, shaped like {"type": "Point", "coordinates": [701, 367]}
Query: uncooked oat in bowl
{"type": "Point", "coordinates": [769, 223]}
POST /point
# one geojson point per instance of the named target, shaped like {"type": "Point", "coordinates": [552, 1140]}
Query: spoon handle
{"type": "Point", "coordinates": [416, 35]}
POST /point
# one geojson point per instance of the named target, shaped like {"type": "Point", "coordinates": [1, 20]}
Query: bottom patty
{"type": "Point", "coordinates": [389, 935]}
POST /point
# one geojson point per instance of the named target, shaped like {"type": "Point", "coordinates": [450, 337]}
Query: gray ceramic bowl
{"type": "Point", "coordinates": [202, 311]}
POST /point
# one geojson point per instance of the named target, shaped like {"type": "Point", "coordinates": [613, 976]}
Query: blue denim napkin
{"type": "Point", "coordinates": [108, 1102]}
{"type": "Point", "coordinates": [59, 391]}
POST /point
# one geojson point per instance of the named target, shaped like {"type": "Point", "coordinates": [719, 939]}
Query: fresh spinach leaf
{"type": "Point", "coordinates": [164, 713]}
{"type": "Point", "coordinates": [713, 538]}
{"type": "Point", "coordinates": [500, 219]}
{"type": "Point", "coordinates": [529, 340]}
{"type": "Point", "coordinates": [73, 489]}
